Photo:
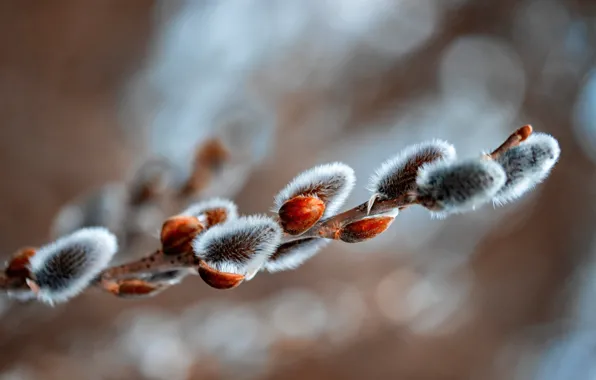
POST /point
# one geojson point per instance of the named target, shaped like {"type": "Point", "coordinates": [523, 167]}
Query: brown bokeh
{"type": "Point", "coordinates": [63, 68]}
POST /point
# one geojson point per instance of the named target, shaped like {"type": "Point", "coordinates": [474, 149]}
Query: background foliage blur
{"type": "Point", "coordinates": [90, 89]}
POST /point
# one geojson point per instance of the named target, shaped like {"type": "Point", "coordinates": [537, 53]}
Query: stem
{"type": "Point", "coordinates": [512, 141]}
{"type": "Point", "coordinates": [154, 263]}
{"type": "Point", "coordinates": [330, 227]}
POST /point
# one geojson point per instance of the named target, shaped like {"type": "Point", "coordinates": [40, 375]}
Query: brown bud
{"type": "Point", "coordinates": [209, 158]}
{"type": "Point", "coordinates": [520, 135]}
{"type": "Point", "coordinates": [300, 213]}
{"type": "Point", "coordinates": [149, 182]}
{"type": "Point", "coordinates": [216, 216]}
{"type": "Point", "coordinates": [18, 265]}
{"type": "Point", "coordinates": [137, 288]}
{"type": "Point", "coordinates": [212, 153]}
{"type": "Point", "coordinates": [217, 279]}
{"type": "Point", "coordinates": [525, 132]}
{"type": "Point", "coordinates": [178, 232]}
{"type": "Point", "coordinates": [365, 229]}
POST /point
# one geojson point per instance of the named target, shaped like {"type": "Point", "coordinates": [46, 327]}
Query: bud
{"type": "Point", "coordinates": [213, 211]}
{"type": "Point", "coordinates": [150, 181]}
{"type": "Point", "coordinates": [217, 279]}
{"type": "Point", "coordinates": [331, 183]}
{"type": "Point", "coordinates": [64, 268]}
{"type": "Point", "coordinates": [366, 228]}
{"type": "Point", "coordinates": [526, 165]}
{"type": "Point", "coordinates": [134, 288]}
{"type": "Point", "coordinates": [397, 176]}
{"type": "Point", "coordinates": [239, 246]}
{"type": "Point", "coordinates": [212, 154]}
{"type": "Point", "coordinates": [447, 188]}
{"type": "Point", "coordinates": [178, 232]}
{"type": "Point", "coordinates": [293, 254]}
{"type": "Point", "coordinates": [209, 159]}
{"type": "Point", "coordinates": [300, 213]}
{"type": "Point", "coordinates": [18, 266]}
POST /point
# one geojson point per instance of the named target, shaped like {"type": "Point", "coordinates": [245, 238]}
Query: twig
{"type": "Point", "coordinates": [513, 140]}
{"type": "Point", "coordinates": [231, 254]}
{"type": "Point", "coordinates": [329, 227]}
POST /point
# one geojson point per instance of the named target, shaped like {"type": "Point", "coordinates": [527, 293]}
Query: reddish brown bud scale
{"type": "Point", "coordinates": [216, 216]}
{"type": "Point", "coordinates": [18, 265]}
{"type": "Point", "coordinates": [300, 213]}
{"type": "Point", "coordinates": [212, 153]}
{"type": "Point", "coordinates": [178, 232]}
{"type": "Point", "coordinates": [217, 279]}
{"type": "Point", "coordinates": [520, 135]}
{"type": "Point", "coordinates": [136, 288]}
{"type": "Point", "coordinates": [150, 182]}
{"type": "Point", "coordinates": [365, 229]}
{"type": "Point", "coordinates": [209, 158]}
{"type": "Point", "coordinates": [524, 132]}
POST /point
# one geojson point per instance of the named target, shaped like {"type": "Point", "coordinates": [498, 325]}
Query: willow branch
{"type": "Point", "coordinates": [329, 228]}
{"type": "Point", "coordinates": [513, 140]}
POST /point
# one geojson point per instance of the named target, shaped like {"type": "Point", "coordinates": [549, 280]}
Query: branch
{"type": "Point", "coordinates": [209, 239]}
{"type": "Point", "coordinates": [516, 138]}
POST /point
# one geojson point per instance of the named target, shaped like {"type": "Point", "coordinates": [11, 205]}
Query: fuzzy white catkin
{"type": "Point", "coordinates": [291, 255]}
{"type": "Point", "coordinates": [64, 268]}
{"type": "Point", "coordinates": [459, 186]}
{"type": "Point", "coordinates": [332, 183]}
{"type": "Point", "coordinates": [526, 165]}
{"type": "Point", "coordinates": [199, 208]}
{"type": "Point", "coordinates": [240, 246]}
{"type": "Point", "coordinates": [397, 175]}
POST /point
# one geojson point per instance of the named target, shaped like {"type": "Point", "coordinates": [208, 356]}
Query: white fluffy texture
{"type": "Point", "coordinates": [461, 186]}
{"type": "Point", "coordinates": [295, 256]}
{"type": "Point", "coordinates": [393, 167]}
{"type": "Point", "coordinates": [337, 173]}
{"type": "Point", "coordinates": [196, 209]}
{"type": "Point", "coordinates": [526, 166]}
{"type": "Point", "coordinates": [97, 245]}
{"type": "Point", "coordinates": [239, 246]}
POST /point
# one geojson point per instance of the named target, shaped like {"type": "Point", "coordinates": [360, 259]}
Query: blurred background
{"type": "Point", "coordinates": [92, 89]}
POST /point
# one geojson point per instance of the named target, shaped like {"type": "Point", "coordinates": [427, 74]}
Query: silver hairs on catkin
{"type": "Point", "coordinates": [293, 254]}
{"type": "Point", "coordinates": [64, 268]}
{"type": "Point", "coordinates": [397, 175]}
{"type": "Point", "coordinates": [332, 183]}
{"type": "Point", "coordinates": [240, 246]}
{"type": "Point", "coordinates": [447, 188]}
{"type": "Point", "coordinates": [526, 165]}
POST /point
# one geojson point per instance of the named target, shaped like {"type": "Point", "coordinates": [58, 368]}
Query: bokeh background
{"type": "Point", "coordinates": [91, 89]}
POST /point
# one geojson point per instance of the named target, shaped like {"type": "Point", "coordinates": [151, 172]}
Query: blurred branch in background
{"type": "Point", "coordinates": [480, 296]}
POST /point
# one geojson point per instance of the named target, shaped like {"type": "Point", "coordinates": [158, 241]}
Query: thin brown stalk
{"type": "Point", "coordinates": [513, 140]}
